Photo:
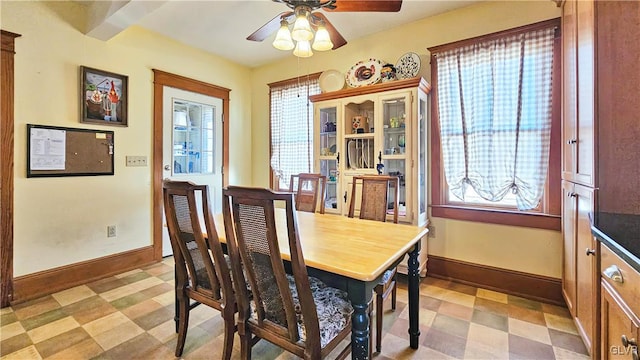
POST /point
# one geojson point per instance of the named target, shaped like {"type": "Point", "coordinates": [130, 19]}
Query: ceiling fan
{"type": "Point", "coordinates": [317, 20]}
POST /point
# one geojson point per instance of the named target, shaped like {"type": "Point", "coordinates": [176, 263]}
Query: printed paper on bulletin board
{"type": "Point", "coordinates": [62, 151]}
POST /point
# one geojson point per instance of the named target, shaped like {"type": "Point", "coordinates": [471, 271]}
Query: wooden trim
{"type": "Point", "coordinates": [295, 80]}
{"type": "Point", "coordinates": [46, 282]}
{"type": "Point", "coordinates": [161, 79]}
{"type": "Point", "coordinates": [530, 286]}
{"type": "Point", "coordinates": [532, 220]}
{"type": "Point", "coordinates": [6, 165]}
{"type": "Point", "coordinates": [364, 90]}
{"type": "Point", "coordinates": [555, 22]}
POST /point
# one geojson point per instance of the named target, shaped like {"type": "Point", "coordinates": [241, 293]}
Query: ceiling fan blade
{"type": "Point", "coordinates": [367, 5]}
{"type": "Point", "coordinates": [270, 27]}
{"type": "Point", "coordinates": [335, 36]}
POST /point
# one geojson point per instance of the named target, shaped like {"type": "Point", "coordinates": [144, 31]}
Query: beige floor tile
{"type": "Point", "coordinates": [73, 295]}
{"type": "Point", "coordinates": [483, 341]}
{"type": "Point", "coordinates": [52, 329]}
{"type": "Point", "coordinates": [11, 330]}
{"type": "Point", "coordinates": [6, 310]}
{"type": "Point", "coordinates": [165, 299]}
{"type": "Point", "coordinates": [117, 335]}
{"type": "Point", "coordinates": [529, 330]}
{"type": "Point", "coordinates": [426, 316]}
{"type": "Point", "coordinates": [98, 326]}
{"type": "Point", "coordinates": [397, 348]}
{"type": "Point", "coordinates": [165, 331]}
{"type": "Point", "coordinates": [560, 323]}
{"type": "Point", "coordinates": [564, 354]}
{"type": "Point", "coordinates": [459, 298]}
{"type": "Point", "coordinates": [129, 289]}
{"type": "Point", "coordinates": [141, 309]}
{"type": "Point", "coordinates": [492, 295]}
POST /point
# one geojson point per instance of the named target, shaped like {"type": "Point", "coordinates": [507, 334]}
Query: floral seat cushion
{"type": "Point", "coordinates": [333, 307]}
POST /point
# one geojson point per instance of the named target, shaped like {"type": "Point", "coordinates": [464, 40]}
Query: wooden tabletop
{"type": "Point", "coordinates": [355, 248]}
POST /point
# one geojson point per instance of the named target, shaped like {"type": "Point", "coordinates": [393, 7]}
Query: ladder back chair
{"type": "Point", "coordinates": [309, 189]}
{"type": "Point", "coordinates": [294, 311]}
{"type": "Point", "coordinates": [202, 270]}
{"type": "Point", "coordinates": [375, 197]}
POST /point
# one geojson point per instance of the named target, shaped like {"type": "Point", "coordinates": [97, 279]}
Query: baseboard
{"type": "Point", "coordinates": [530, 286]}
{"type": "Point", "coordinates": [46, 282]}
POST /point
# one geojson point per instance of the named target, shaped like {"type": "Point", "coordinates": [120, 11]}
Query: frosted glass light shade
{"type": "Point", "coordinates": [303, 49]}
{"type": "Point", "coordinates": [301, 29]}
{"type": "Point", "coordinates": [322, 41]}
{"type": "Point", "coordinates": [283, 38]}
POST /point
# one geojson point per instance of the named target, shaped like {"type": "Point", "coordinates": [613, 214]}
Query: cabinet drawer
{"type": "Point", "coordinates": [629, 288]}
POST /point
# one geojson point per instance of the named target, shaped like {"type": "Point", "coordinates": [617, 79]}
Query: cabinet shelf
{"type": "Point", "coordinates": [359, 136]}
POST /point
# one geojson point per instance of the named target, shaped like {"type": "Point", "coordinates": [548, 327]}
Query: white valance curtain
{"type": "Point", "coordinates": [494, 101]}
{"type": "Point", "coordinates": [292, 129]}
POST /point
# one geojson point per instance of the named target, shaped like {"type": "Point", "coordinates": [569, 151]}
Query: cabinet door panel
{"type": "Point", "coordinates": [586, 94]}
{"type": "Point", "coordinates": [569, 90]}
{"type": "Point", "coordinates": [569, 246]}
{"type": "Point", "coordinates": [616, 322]}
{"type": "Point", "coordinates": [585, 265]}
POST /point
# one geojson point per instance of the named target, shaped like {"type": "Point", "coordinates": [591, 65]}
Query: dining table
{"type": "Point", "coordinates": [352, 254]}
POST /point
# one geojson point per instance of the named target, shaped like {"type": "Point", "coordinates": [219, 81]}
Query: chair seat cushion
{"type": "Point", "coordinates": [333, 306]}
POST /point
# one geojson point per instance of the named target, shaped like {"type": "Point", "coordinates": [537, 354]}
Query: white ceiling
{"type": "Point", "coordinates": [221, 26]}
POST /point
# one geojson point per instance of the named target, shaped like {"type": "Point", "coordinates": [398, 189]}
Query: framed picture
{"type": "Point", "coordinates": [103, 98]}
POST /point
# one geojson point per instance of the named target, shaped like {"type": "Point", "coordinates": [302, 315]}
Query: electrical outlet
{"type": "Point", "coordinates": [432, 231]}
{"type": "Point", "coordinates": [111, 231]}
{"type": "Point", "coordinates": [136, 161]}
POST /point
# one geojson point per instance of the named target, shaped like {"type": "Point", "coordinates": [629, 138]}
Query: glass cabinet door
{"type": "Point", "coordinates": [396, 145]}
{"type": "Point", "coordinates": [329, 155]}
{"type": "Point", "coordinates": [192, 138]}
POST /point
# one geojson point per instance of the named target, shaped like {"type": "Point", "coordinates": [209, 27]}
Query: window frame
{"type": "Point", "coordinates": [273, 179]}
{"type": "Point", "coordinates": [549, 216]}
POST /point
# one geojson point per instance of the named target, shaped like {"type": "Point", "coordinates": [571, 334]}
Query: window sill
{"type": "Point", "coordinates": [501, 217]}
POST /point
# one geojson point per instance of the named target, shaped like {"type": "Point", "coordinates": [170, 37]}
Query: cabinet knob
{"type": "Point", "coordinates": [591, 252]}
{"type": "Point", "coordinates": [613, 273]}
{"type": "Point", "coordinates": [167, 167]}
{"type": "Point", "coordinates": [572, 141]}
{"type": "Point", "coordinates": [571, 194]}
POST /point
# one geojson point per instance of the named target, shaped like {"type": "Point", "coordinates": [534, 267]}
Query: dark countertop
{"type": "Point", "coordinates": [621, 233]}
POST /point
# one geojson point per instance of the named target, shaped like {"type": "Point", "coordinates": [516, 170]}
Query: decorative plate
{"type": "Point", "coordinates": [408, 66]}
{"type": "Point", "coordinates": [331, 80]}
{"type": "Point", "coordinates": [365, 72]}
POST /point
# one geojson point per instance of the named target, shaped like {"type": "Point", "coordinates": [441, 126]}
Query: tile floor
{"type": "Point", "coordinates": [130, 316]}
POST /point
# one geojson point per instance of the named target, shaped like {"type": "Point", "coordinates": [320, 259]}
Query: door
{"type": "Point", "coordinates": [192, 144]}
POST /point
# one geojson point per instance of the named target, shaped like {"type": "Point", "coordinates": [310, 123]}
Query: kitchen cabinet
{"type": "Point", "coordinates": [381, 127]}
{"type": "Point", "coordinates": [600, 126]}
{"type": "Point", "coordinates": [580, 281]}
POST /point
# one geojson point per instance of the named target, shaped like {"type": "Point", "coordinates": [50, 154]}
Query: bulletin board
{"type": "Point", "coordinates": [62, 151]}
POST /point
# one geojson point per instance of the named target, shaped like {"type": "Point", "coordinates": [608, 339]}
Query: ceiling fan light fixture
{"type": "Point", "coordinates": [322, 41]}
{"type": "Point", "coordinates": [301, 28]}
{"type": "Point", "coordinates": [303, 49]}
{"type": "Point", "coordinates": [283, 38]}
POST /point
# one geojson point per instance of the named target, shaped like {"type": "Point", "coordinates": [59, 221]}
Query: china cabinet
{"type": "Point", "coordinates": [376, 129]}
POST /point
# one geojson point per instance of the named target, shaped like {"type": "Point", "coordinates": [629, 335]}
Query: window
{"type": "Point", "coordinates": [291, 116]}
{"type": "Point", "coordinates": [496, 127]}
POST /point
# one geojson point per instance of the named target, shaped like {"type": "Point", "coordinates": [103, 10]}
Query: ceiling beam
{"type": "Point", "coordinates": [108, 18]}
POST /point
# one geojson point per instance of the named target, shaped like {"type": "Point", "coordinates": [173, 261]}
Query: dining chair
{"type": "Point", "coordinates": [374, 205]}
{"type": "Point", "coordinates": [202, 272]}
{"type": "Point", "coordinates": [309, 189]}
{"type": "Point", "coordinates": [294, 311]}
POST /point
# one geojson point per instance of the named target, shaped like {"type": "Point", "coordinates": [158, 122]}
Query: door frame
{"type": "Point", "coordinates": [161, 79]}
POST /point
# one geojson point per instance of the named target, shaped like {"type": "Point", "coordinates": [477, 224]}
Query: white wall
{"type": "Point", "coordinates": [63, 220]}
{"type": "Point", "coordinates": [522, 249]}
